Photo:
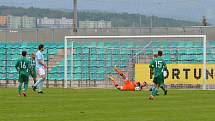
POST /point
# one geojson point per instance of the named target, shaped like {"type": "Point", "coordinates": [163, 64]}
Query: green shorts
{"type": "Point", "coordinates": [159, 79]}
{"type": "Point", "coordinates": [34, 74]}
{"type": "Point", "coordinates": [23, 78]}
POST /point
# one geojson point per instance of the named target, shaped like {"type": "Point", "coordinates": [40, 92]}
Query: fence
{"type": "Point", "coordinates": [47, 34]}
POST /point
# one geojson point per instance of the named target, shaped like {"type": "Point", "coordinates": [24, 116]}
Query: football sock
{"type": "Point", "coordinates": [25, 87]}
{"type": "Point", "coordinates": [154, 91]}
{"type": "Point", "coordinates": [40, 85]}
{"type": "Point", "coordinates": [19, 88]}
{"type": "Point", "coordinates": [150, 89]}
{"type": "Point", "coordinates": [163, 87]}
{"type": "Point", "coordinates": [37, 83]}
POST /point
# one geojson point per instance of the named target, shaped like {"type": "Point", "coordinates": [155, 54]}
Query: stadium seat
{"type": "Point", "coordinates": [77, 76]}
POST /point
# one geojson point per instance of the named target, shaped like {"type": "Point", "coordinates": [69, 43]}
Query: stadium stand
{"type": "Point", "coordinates": [92, 60]}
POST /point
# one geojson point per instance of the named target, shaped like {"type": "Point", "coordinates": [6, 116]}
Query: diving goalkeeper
{"type": "Point", "coordinates": [128, 85]}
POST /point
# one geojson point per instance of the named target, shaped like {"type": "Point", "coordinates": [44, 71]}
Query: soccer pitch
{"type": "Point", "coordinates": [106, 105]}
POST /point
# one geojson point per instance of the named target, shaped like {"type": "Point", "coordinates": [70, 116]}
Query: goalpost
{"type": "Point", "coordinates": [70, 49]}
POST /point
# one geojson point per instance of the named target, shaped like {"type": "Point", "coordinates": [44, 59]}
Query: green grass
{"type": "Point", "coordinates": [106, 105]}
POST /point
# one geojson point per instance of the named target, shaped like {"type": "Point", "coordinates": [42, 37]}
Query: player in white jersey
{"type": "Point", "coordinates": [40, 67]}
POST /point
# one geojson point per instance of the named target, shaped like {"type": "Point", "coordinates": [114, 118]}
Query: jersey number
{"type": "Point", "coordinates": [158, 64]}
{"type": "Point", "coordinates": [23, 66]}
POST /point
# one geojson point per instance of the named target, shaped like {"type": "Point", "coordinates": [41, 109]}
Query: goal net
{"type": "Point", "coordinates": [89, 60]}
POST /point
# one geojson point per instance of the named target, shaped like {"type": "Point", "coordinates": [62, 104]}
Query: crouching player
{"type": "Point", "coordinates": [23, 67]}
{"type": "Point", "coordinates": [129, 86]}
{"type": "Point", "coordinates": [158, 65]}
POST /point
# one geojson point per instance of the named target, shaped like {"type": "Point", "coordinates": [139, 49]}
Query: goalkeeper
{"type": "Point", "coordinates": [129, 86]}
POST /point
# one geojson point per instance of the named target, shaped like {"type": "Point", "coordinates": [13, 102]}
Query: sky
{"type": "Point", "coordinates": [179, 9]}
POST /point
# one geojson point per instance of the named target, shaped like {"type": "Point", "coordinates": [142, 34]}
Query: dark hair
{"type": "Point", "coordinates": [41, 46]}
{"type": "Point", "coordinates": [138, 84]}
{"type": "Point", "coordinates": [24, 53]}
{"type": "Point", "coordinates": [160, 53]}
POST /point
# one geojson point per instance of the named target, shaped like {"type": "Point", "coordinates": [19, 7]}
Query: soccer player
{"type": "Point", "coordinates": [33, 66]}
{"type": "Point", "coordinates": [40, 67]}
{"type": "Point", "coordinates": [158, 65]}
{"type": "Point", "coordinates": [23, 67]}
{"type": "Point", "coordinates": [129, 86]}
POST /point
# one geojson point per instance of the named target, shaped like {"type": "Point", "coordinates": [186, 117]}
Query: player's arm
{"type": "Point", "coordinates": [164, 66]}
{"type": "Point", "coordinates": [151, 66]}
{"type": "Point", "coordinates": [30, 67]}
{"type": "Point", "coordinates": [17, 66]}
{"type": "Point", "coordinates": [39, 59]}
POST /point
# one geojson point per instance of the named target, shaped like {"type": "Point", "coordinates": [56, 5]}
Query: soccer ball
{"type": "Point", "coordinates": [164, 73]}
{"type": "Point", "coordinates": [137, 88]}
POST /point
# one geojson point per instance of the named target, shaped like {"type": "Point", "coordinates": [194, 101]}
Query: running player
{"type": "Point", "coordinates": [129, 86]}
{"type": "Point", "coordinates": [158, 65]}
{"type": "Point", "coordinates": [40, 66]}
{"type": "Point", "coordinates": [23, 67]}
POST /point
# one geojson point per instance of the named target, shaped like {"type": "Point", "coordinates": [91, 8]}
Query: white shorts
{"type": "Point", "coordinates": [41, 71]}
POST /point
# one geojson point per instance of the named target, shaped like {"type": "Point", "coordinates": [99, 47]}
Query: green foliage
{"type": "Point", "coordinates": [106, 105]}
{"type": "Point", "coordinates": [118, 19]}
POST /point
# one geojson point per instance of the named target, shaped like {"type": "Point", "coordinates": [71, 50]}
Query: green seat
{"type": "Point", "coordinates": [149, 52]}
{"type": "Point", "coordinates": [85, 50]}
{"type": "Point", "coordinates": [77, 63]}
{"type": "Point", "coordinates": [77, 57]}
{"type": "Point", "coordinates": [199, 51]}
{"type": "Point", "coordinates": [166, 51]}
{"type": "Point", "coordinates": [93, 51]}
{"type": "Point", "coordinates": [109, 63]}
{"type": "Point", "coordinates": [123, 51]}
{"type": "Point", "coordinates": [101, 77]}
{"type": "Point", "coordinates": [2, 76]}
{"type": "Point", "coordinates": [52, 77]}
{"type": "Point", "coordinates": [77, 76]}
{"type": "Point", "coordinates": [93, 63]}
{"type": "Point", "coordinates": [54, 70]}
{"type": "Point", "coordinates": [100, 51]}
{"type": "Point", "coordinates": [85, 63]}
{"type": "Point", "coordinates": [85, 76]}
{"type": "Point", "coordinates": [182, 51]}
{"type": "Point", "coordinates": [85, 57]}
{"type": "Point", "coordinates": [108, 57]}
{"type": "Point", "coordinates": [93, 57]}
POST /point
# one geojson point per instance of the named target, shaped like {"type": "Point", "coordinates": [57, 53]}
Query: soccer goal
{"type": "Point", "coordinates": [89, 60]}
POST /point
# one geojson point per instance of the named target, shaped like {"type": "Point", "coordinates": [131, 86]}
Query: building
{"type": "Point", "coordinates": [3, 21]}
{"type": "Point", "coordinates": [14, 22]}
{"type": "Point", "coordinates": [28, 22]}
{"type": "Point", "coordinates": [54, 22]}
{"type": "Point", "coordinates": [95, 24]}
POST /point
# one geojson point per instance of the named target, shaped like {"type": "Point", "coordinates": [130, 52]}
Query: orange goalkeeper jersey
{"type": "Point", "coordinates": [129, 86]}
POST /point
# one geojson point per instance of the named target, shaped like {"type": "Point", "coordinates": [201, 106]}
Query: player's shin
{"type": "Point", "coordinates": [37, 83]}
{"type": "Point", "coordinates": [162, 86]}
{"type": "Point", "coordinates": [40, 85]}
{"type": "Point", "coordinates": [154, 91]}
{"type": "Point", "coordinates": [19, 88]}
{"type": "Point", "coordinates": [25, 87]}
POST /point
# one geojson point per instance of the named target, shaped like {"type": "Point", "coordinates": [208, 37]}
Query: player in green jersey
{"type": "Point", "coordinates": [23, 67]}
{"type": "Point", "coordinates": [33, 66]}
{"type": "Point", "coordinates": [158, 65]}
